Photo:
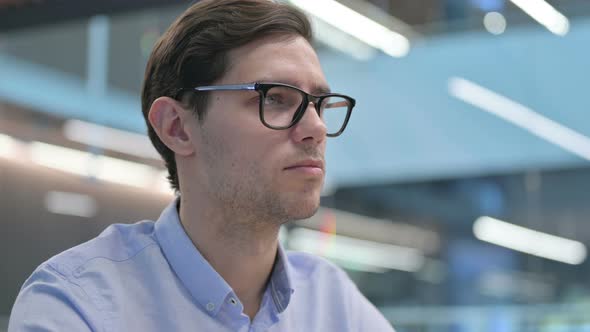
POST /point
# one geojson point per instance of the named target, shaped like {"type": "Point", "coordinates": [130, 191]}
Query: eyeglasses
{"type": "Point", "coordinates": [281, 106]}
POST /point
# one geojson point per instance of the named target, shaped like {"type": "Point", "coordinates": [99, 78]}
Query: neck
{"type": "Point", "coordinates": [242, 250]}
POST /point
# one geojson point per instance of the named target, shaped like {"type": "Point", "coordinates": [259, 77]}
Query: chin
{"type": "Point", "coordinates": [303, 209]}
{"type": "Point", "coordinates": [308, 213]}
{"type": "Point", "coordinates": [300, 203]}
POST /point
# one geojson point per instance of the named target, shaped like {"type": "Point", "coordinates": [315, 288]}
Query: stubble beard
{"type": "Point", "coordinates": [238, 192]}
{"type": "Point", "coordinates": [247, 196]}
{"type": "Point", "coordinates": [244, 199]}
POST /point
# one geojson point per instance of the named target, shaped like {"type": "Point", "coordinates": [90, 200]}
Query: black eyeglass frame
{"type": "Point", "coordinates": [263, 88]}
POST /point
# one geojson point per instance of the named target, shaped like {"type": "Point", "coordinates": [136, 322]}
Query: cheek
{"type": "Point", "coordinates": [244, 154]}
{"type": "Point", "coordinates": [264, 158]}
{"type": "Point", "coordinates": [244, 146]}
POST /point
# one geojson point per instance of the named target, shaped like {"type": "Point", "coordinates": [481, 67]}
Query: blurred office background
{"type": "Point", "coordinates": [457, 199]}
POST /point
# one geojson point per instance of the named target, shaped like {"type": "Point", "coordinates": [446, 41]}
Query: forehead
{"type": "Point", "coordinates": [282, 59]}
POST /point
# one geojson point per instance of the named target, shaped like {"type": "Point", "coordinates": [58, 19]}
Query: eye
{"type": "Point", "coordinates": [274, 99]}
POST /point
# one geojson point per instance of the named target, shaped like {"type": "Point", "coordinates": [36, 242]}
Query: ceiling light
{"type": "Point", "coordinates": [61, 158]}
{"type": "Point", "coordinates": [356, 252]}
{"type": "Point", "coordinates": [97, 166]}
{"type": "Point", "coordinates": [7, 146]}
{"type": "Point", "coordinates": [403, 234]}
{"type": "Point", "coordinates": [520, 116]}
{"type": "Point", "coordinates": [125, 172]}
{"type": "Point", "coordinates": [529, 241]}
{"type": "Point", "coordinates": [495, 23]}
{"type": "Point", "coordinates": [72, 204]}
{"type": "Point", "coordinates": [340, 41]}
{"type": "Point", "coordinates": [545, 14]}
{"type": "Point", "coordinates": [357, 25]}
{"type": "Point", "coordinates": [109, 138]}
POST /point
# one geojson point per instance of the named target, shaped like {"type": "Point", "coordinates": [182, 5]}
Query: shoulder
{"type": "Point", "coordinates": [118, 242]}
{"type": "Point", "coordinates": [321, 279]}
{"type": "Point", "coordinates": [60, 291]}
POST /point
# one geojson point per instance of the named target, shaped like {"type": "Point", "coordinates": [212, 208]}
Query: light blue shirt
{"type": "Point", "coordinates": [149, 276]}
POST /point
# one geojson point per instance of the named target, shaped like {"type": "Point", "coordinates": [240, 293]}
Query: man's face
{"type": "Point", "coordinates": [247, 167]}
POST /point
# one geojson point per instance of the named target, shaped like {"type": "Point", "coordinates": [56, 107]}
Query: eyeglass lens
{"type": "Point", "coordinates": [281, 104]}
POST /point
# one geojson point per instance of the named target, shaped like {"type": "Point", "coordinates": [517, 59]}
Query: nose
{"type": "Point", "coordinates": [311, 127]}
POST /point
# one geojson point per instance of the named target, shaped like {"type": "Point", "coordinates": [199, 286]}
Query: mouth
{"type": "Point", "coordinates": [309, 166]}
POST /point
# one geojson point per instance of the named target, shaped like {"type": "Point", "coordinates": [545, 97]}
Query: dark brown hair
{"type": "Point", "coordinates": [194, 51]}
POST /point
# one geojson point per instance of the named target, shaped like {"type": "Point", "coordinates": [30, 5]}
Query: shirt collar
{"type": "Point", "coordinates": [281, 280]}
{"type": "Point", "coordinates": [198, 276]}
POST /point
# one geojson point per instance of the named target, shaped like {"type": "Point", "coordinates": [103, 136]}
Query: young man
{"type": "Point", "coordinates": [237, 105]}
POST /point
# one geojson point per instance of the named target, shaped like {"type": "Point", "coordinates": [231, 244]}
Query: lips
{"type": "Point", "coordinates": [309, 163]}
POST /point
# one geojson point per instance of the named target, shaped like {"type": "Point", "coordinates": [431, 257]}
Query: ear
{"type": "Point", "coordinates": [171, 123]}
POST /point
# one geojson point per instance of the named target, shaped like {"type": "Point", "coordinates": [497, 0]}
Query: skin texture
{"type": "Point", "coordinates": [236, 181]}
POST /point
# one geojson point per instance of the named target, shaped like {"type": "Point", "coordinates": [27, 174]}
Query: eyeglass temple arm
{"type": "Point", "coordinates": [226, 87]}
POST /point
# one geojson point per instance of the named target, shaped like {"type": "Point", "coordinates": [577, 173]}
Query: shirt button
{"type": "Point", "coordinates": [210, 306]}
{"type": "Point", "coordinates": [233, 301]}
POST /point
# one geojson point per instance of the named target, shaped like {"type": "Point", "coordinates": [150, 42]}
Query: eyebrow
{"type": "Point", "coordinates": [321, 89]}
{"type": "Point", "coordinates": [317, 89]}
